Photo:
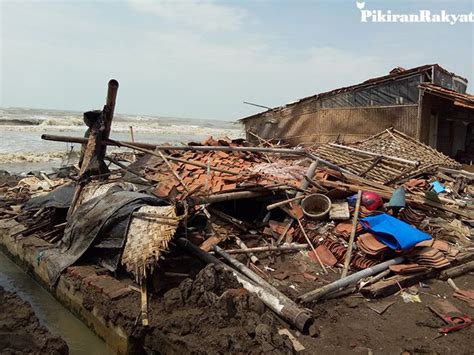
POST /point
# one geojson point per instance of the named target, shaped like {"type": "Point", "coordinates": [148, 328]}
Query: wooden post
{"type": "Point", "coordinates": [109, 109]}
{"type": "Point", "coordinates": [95, 149]}
{"type": "Point", "coordinates": [132, 137]}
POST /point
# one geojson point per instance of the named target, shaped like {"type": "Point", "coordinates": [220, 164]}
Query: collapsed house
{"type": "Point", "coordinates": [428, 103]}
{"type": "Point", "coordinates": [284, 228]}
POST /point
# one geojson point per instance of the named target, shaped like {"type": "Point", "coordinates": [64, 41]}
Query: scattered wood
{"type": "Point", "coordinates": [312, 247]}
{"type": "Point", "coordinates": [290, 247]}
{"type": "Point", "coordinates": [347, 259]}
{"type": "Point", "coordinates": [348, 280]}
{"type": "Point", "coordinates": [284, 202]}
{"type": "Point", "coordinates": [244, 247]}
{"type": "Point", "coordinates": [388, 287]}
{"type": "Point", "coordinates": [144, 302]}
{"type": "Point", "coordinates": [457, 271]}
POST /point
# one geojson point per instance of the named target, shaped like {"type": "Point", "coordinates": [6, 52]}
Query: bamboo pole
{"type": "Point", "coordinates": [201, 200]}
{"type": "Point", "coordinates": [126, 168]}
{"type": "Point", "coordinates": [284, 202]}
{"type": "Point", "coordinates": [292, 310]}
{"type": "Point", "coordinates": [184, 161]}
{"type": "Point", "coordinates": [348, 280]}
{"type": "Point", "coordinates": [406, 161]}
{"type": "Point", "coordinates": [244, 247]}
{"type": "Point", "coordinates": [295, 152]}
{"type": "Point", "coordinates": [347, 260]}
{"type": "Point", "coordinates": [291, 247]}
{"type": "Point", "coordinates": [236, 222]}
{"type": "Point", "coordinates": [311, 245]}
{"type": "Point", "coordinates": [132, 137]}
{"type": "Point", "coordinates": [175, 174]}
{"type": "Point", "coordinates": [202, 148]}
{"type": "Point", "coordinates": [144, 302]}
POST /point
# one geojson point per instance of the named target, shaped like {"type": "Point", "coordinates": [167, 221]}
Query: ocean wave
{"type": "Point", "coordinates": [38, 157]}
{"type": "Point", "coordinates": [124, 127]}
{"type": "Point", "coordinates": [54, 118]}
{"type": "Point", "coordinates": [71, 121]}
{"type": "Point", "coordinates": [19, 122]}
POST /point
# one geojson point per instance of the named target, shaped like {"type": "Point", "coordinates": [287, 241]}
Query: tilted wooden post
{"type": "Point", "coordinates": [95, 150]}
{"type": "Point", "coordinates": [109, 113]}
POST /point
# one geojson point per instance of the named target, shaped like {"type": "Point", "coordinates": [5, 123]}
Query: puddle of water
{"type": "Point", "coordinates": [51, 313]}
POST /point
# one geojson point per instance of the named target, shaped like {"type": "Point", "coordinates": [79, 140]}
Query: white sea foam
{"type": "Point", "coordinates": [21, 129]}
{"type": "Point", "coordinates": [36, 157]}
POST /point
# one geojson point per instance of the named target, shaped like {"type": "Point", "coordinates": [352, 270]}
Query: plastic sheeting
{"type": "Point", "coordinates": [392, 232]}
{"type": "Point", "coordinates": [60, 197]}
{"type": "Point", "coordinates": [92, 223]}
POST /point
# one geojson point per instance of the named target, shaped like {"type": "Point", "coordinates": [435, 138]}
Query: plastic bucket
{"type": "Point", "coordinates": [316, 206]}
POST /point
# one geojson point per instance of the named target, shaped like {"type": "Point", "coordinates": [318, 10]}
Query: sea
{"type": "Point", "coordinates": [22, 150]}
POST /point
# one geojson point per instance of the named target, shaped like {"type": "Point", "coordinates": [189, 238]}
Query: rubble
{"type": "Point", "coordinates": [247, 207]}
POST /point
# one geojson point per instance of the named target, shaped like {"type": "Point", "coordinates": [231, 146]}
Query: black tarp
{"type": "Point", "coordinates": [90, 224]}
{"type": "Point", "coordinates": [60, 197]}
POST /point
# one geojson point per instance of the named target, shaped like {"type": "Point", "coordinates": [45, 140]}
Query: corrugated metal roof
{"type": "Point", "coordinates": [397, 73]}
{"type": "Point", "coordinates": [463, 100]}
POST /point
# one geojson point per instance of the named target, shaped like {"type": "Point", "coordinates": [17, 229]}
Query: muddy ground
{"type": "Point", "coordinates": [349, 325]}
{"type": "Point", "coordinates": [21, 331]}
{"type": "Point", "coordinates": [212, 314]}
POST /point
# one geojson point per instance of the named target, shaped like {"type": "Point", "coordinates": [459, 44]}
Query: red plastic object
{"type": "Point", "coordinates": [371, 200]}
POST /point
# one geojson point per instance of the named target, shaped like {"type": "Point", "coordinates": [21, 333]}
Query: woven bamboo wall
{"type": "Point", "coordinates": [304, 123]}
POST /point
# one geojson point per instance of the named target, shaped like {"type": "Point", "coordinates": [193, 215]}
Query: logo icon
{"type": "Point", "coordinates": [360, 5]}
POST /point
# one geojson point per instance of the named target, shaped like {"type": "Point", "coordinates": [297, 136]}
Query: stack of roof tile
{"type": "Point", "coordinates": [344, 229]}
{"type": "Point", "coordinates": [414, 185]}
{"type": "Point", "coordinates": [412, 216]}
{"type": "Point", "coordinates": [428, 256]}
{"type": "Point", "coordinates": [365, 212]}
{"type": "Point", "coordinates": [358, 262]}
{"type": "Point", "coordinates": [336, 248]}
{"type": "Point", "coordinates": [440, 245]}
{"type": "Point", "coordinates": [235, 170]}
{"type": "Point", "coordinates": [369, 244]}
{"type": "Point", "coordinates": [404, 269]}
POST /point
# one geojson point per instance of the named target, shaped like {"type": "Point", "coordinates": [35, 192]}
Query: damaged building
{"type": "Point", "coordinates": [427, 103]}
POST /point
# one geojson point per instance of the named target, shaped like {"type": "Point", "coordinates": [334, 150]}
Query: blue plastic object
{"type": "Point", "coordinates": [392, 232]}
{"type": "Point", "coordinates": [352, 200]}
{"type": "Point", "coordinates": [438, 187]}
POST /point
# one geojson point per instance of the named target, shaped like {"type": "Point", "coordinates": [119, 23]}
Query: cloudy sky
{"type": "Point", "coordinates": [202, 58]}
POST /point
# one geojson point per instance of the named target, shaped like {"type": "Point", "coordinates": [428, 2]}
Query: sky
{"type": "Point", "coordinates": [203, 58]}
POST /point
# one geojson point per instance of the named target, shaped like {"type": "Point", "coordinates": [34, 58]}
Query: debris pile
{"type": "Point", "coordinates": [294, 226]}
